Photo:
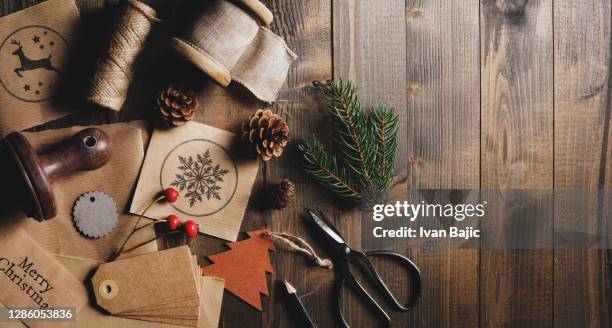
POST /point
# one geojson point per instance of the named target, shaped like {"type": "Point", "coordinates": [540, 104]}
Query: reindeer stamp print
{"type": "Point", "coordinates": [32, 55]}
{"type": "Point", "coordinates": [35, 53]}
{"type": "Point", "coordinates": [205, 175]}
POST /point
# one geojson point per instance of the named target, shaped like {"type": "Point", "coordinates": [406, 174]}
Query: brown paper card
{"type": "Point", "coordinates": [146, 281]}
{"type": "Point", "coordinates": [171, 309]}
{"type": "Point", "coordinates": [35, 47]}
{"type": "Point", "coordinates": [89, 317]}
{"type": "Point", "coordinates": [31, 277]}
{"type": "Point", "coordinates": [203, 164]}
{"type": "Point", "coordinates": [168, 312]}
{"type": "Point", "coordinates": [117, 179]}
{"type": "Point", "coordinates": [210, 303]}
{"type": "Point", "coordinates": [175, 321]}
{"type": "Point", "coordinates": [212, 296]}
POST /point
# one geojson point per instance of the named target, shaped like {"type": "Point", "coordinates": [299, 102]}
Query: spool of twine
{"type": "Point", "coordinates": [115, 68]}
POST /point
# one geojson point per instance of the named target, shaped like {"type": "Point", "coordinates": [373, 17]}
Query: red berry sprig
{"type": "Point", "coordinates": [173, 222]}
{"type": "Point", "coordinates": [191, 229]}
{"type": "Point", "coordinates": [171, 195]}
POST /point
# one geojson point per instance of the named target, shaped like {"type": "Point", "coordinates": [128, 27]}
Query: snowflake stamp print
{"type": "Point", "coordinates": [205, 165]}
{"type": "Point", "coordinates": [205, 175]}
{"type": "Point", "coordinates": [199, 177]}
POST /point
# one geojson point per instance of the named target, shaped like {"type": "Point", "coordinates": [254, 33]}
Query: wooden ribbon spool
{"type": "Point", "coordinates": [229, 40]}
{"type": "Point", "coordinates": [32, 175]}
{"type": "Point", "coordinates": [216, 56]}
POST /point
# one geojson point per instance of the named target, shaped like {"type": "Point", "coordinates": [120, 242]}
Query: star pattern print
{"type": "Point", "coordinates": [199, 178]}
{"type": "Point", "coordinates": [32, 56]}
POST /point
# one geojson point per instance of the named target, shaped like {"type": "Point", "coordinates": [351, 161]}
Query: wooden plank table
{"type": "Point", "coordinates": [491, 94]}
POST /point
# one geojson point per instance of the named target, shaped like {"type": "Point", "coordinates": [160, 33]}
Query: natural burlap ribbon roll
{"type": "Point", "coordinates": [228, 42]}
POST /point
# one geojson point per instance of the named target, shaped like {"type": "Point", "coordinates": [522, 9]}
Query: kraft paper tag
{"type": "Point", "coordinates": [161, 287]}
{"type": "Point", "coordinates": [204, 165]}
{"type": "Point", "coordinates": [30, 276]}
{"type": "Point", "coordinates": [90, 316]}
{"type": "Point", "coordinates": [146, 281]}
{"type": "Point", "coordinates": [35, 46]}
{"type": "Point", "coordinates": [117, 179]}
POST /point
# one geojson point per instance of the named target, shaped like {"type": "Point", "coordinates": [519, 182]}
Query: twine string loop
{"type": "Point", "coordinates": [299, 245]}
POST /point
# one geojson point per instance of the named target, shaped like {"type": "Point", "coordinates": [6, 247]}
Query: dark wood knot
{"type": "Point", "coordinates": [514, 9]}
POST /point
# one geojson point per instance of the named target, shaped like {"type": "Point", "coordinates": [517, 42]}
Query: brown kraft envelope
{"type": "Point", "coordinates": [204, 164]}
{"type": "Point", "coordinates": [35, 45]}
{"type": "Point", "coordinates": [117, 179]}
{"type": "Point", "coordinates": [30, 277]}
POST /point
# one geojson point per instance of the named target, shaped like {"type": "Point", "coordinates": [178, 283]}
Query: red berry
{"type": "Point", "coordinates": [173, 222]}
{"type": "Point", "coordinates": [191, 229]}
{"type": "Point", "coordinates": [171, 195]}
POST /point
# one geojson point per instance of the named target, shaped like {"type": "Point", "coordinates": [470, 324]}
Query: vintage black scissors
{"type": "Point", "coordinates": [343, 255]}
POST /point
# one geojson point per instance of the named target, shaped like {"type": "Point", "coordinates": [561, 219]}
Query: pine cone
{"type": "Point", "coordinates": [282, 194]}
{"type": "Point", "coordinates": [176, 105]}
{"type": "Point", "coordinates": [265, 134]}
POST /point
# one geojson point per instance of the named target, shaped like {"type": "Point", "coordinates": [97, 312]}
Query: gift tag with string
{"type": "Point", "coordinates": [161, 287]}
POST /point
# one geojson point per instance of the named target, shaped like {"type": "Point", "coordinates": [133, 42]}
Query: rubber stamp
{"type": "Point", "coordinates": [31, 175]}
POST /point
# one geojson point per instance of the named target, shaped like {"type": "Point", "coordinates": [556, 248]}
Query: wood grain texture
{"type": "Point", "coordinates": [443, 97]}
{"type": "Point", "coordinates": [225, 108]}
{"type": "Point", "coordinates": [10, 6]}
{"type": "Point", "coordinates": [606, 184]}
{"type": "Point", "coordinates": [306, 27]}
{"type": "Point", "coordinates": [582, 56]}
{"type": "Point", "coordinates": [516, 288]}
{"type": "Point", "coordinates": [473, 113]}
{"type": "Point", "coordinates": [377, 67]}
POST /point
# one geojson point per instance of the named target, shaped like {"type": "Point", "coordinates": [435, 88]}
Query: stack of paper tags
{"type": "Point", "coordinates": [163, 286]}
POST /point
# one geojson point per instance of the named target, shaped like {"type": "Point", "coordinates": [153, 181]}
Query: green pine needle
{"type": "Point", "coordinates": [366, 144]}
{"type": "Point", "coordinates": [350, 130]}
{"type": "Point", "coordinates": [384, 128]}
{"type": "Point", "coordinates": [325, 169]}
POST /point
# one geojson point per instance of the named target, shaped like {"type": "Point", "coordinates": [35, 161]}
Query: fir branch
{"type": "Point", "coordinates": [384, 129]}
{"type": "Point", "coordinates": [350, 129]}
{"type": "Point", "coordinates": [324, 168]}
{"type": "Point", "coordinates": [365, 143]}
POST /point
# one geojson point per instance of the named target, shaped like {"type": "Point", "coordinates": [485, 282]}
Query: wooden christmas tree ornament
{"type": "Point", "coordinates": [244, 267]}
{"type": "Point", "coordinates": [32, 174]}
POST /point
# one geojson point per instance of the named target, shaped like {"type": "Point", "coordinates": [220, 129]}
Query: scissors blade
{"type": "Point", "coordinates": [326, 226]}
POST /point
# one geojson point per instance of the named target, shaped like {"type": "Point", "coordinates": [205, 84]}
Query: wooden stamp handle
{"type": "Point", "coordinates": [85, 151]}
{"type": "Point", "coordinates": [34, 174]}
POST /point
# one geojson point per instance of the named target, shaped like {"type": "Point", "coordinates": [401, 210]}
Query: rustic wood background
{"type": "Point", "coordinates": [491, 93]}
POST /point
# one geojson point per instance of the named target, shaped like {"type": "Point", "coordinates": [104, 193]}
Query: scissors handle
{"type": "Point", "coordinates": [362, 293]}
{"type": "Point", "coordinates": [345, 276]}
{"type": "Point", "coordinates": [415, 278]}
